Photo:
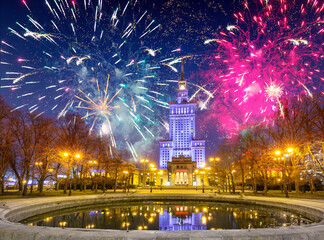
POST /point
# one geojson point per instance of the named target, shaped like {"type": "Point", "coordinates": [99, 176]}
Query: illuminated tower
{"type": "Point", "coordinates": [182, 140]}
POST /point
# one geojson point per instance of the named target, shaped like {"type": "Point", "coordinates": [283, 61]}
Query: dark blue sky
{"type": "Point", "coordinates": [184, 24]}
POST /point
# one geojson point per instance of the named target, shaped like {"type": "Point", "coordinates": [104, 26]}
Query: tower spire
{"type": "Point", "coordinates": [182, 88]}
{"type": "Point", "coordinates": [182, 75]}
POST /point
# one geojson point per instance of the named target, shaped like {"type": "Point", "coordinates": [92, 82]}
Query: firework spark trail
{"type": "Point", "coordinates": [274, 50]}
{"type": "Point", "coordinates": [22, 77]}
{"type": "Point", "coordinates": [24, 2]}
{"type": "Point", "coordinates": [67, 59]}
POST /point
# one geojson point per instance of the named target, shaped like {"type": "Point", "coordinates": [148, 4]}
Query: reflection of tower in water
{"type": "Point", "coordinates": [181, 218]}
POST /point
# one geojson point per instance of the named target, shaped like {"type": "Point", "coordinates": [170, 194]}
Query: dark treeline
{"type": "Point", "coordinates": [286, 152]}
{"type": "Point", "coordinates": [38, 148]}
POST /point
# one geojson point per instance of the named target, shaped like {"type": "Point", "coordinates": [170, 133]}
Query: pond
{"type": "Point", "coordinates": [170, 216]}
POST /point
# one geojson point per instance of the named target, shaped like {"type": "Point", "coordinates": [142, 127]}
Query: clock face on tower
{"type": "Point", "coordinates": [182, 87]}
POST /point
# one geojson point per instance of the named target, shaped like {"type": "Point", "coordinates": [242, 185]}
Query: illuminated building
{"type": "Point", "coordinates": [182, 152]}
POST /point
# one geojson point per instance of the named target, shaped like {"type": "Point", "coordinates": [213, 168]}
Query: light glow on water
{"type": "Point", "coordinates": [171, 216]}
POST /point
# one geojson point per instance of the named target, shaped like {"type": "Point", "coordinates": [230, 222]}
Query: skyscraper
{"type": "Point", "coordinates": [182, 142]}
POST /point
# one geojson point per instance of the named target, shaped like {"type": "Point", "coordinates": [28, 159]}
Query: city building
{"type": "Point", "coordinates": [182, 152]}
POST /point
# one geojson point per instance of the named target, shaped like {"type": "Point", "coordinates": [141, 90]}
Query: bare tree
{"type": "Point", "coordinates": [72, 132]}
{"type": "Point", "coordinates": [46, 151]}
{"type": "Point", "coordinates": [116, 164]}
{"type": "Point", "coordinates": [228, 153]}
{"type": "Point", "coordinates": [26, 134]}
{"type": "Point", "coordinates": [5, 142]}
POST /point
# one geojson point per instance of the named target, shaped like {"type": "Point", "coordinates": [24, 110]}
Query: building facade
{"type": "Point", "coordinates": [182, 152]}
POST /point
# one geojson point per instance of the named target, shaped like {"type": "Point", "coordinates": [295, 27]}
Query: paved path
{"type": "Point", "coordinates": [17, 209]}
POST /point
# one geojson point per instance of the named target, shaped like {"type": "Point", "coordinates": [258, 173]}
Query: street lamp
{"type": "Point", "coordinates": [203, 180]}
{"type": "Point", "coordinates": [125, 179]}
{"type": "Point", "coordinates": [232, 178]}
{"type": "Point", "coordinates": [144, 161]}
{"type": "Point", "coordinates": [152, 169]}
{"type": "Point", "coordinates": [214, 160]}
{"type": "Point", "coordinates": [278, 153]}
{"type": "Point", "coordinates": [203, 190]}
{"type": "Point", "coordinates": [290, 150]}
{"type": "Point", "coordinates": [70, 161]}
{"type": "Point", "coordinates": [161, 179]}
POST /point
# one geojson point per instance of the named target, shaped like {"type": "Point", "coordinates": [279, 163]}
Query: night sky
{"type": "Point", "coordinates": [240, 61]}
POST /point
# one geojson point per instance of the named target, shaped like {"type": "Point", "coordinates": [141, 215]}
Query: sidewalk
{"type": "Point", "coordinates": [16, 209]}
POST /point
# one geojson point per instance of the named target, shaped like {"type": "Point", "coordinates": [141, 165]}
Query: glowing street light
{"type": "Point", "coordinates": [278, 153]}
{"type": "Point", "coordinates": [70, 161]}
{"type": "Point", "coordinates": [214, 160]}
{"type": "Point", "coordinates": [152, 165]}
{"type": "Point", "coordinates": [203, 180]}
{"type": "Point", "coordinates": [125, 172]}
{"type": "Point", "coordinates": [161, 179]}
{"type": "Point", "coordinates": [153, 168]}
{"type": "Point", "coordinates": [144, 161]}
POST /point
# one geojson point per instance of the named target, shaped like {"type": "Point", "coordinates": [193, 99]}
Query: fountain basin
{"type": "Point", "coordinates": [17, 210]}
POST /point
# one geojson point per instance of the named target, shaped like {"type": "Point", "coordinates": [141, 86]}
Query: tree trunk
{"type": "Point", "coordinates": [243, 185]}
{"type": "Point", "coordinates": [229, 184]}
{"type": "Point", "coordinates": [25, 189]}
{"type": "Point", "coordinates": [75, 185]}
{"type": "Point", "coordinates": [74, 181]}
{"type": "Point", "coordinates": [115, 182]}
{"type": "Point", "coordinates": [96, 187]}
{"type": "Point", "coordinates": [254, 183]}
{"type": "Point", "coordinates": [20, 185]}
{"type": "Point", "coordinates": [67, 180]}
{"type": "Point", "coordinates": [223, 186]}
{"type": "Point", "coordinates": [104, 185]}
{"type": "Point", "coordinates": [312, 186]}
{"type": "Point", "coordinates": [57, 187]}
{"type": "Point", "coordinates": [33, 178]}
{"type": "Point", "coordinates": [65, 185]}
{"type": "Point", "coordinates": [41, 184]}
{"type": "Point", "coordinates": [2, 186]}
{"type": "Point", "coordinates": [297, 185]}
{"type": "Point", "coordinates": [233, 184]}
{"type": "Point", "coordinates": [265, 190]}
{"type": "Point", "coordinates": [81, 181]}
{"type": "Point", "coordinates": [26, 184]}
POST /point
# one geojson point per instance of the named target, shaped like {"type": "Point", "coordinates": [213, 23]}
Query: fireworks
{"type": "Point", "coordinates": [274, 50]}
{"type": "Point", "coordinates": [267, 51]}
{"type": "Point", "coordinates": [59, 66]}
{"type": "Point", "coordinates": [101, 108]}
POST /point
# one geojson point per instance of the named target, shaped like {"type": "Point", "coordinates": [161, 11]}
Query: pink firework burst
{"type": "Point", "coordinates": [274, 49]}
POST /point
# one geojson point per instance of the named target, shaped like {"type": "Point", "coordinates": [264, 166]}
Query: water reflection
{"type": "Point", "coordinates": [171, 217]}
